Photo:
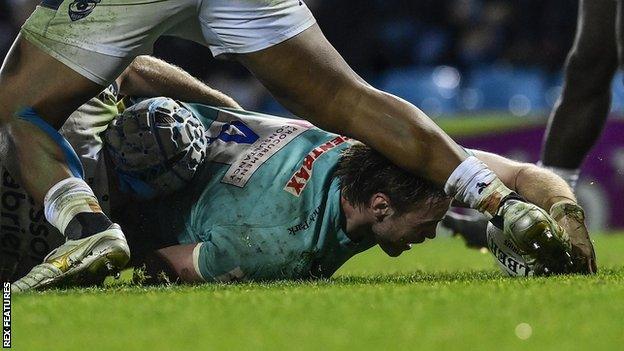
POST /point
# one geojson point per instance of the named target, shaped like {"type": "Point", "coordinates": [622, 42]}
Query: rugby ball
{"type": "Point", "coordinates": [508, 256]}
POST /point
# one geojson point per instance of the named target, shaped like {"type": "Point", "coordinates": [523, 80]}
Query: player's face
{"type": "Point", "coordinates": [396, 233]}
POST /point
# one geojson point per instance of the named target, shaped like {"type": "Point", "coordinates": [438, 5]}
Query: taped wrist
{"type": "Point", "coordinates": [473, 183]}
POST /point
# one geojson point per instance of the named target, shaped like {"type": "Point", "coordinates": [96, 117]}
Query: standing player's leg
{"type": "Point", "coordinates": [580, 113]}
{"type": "Point", "coordinates": [32, 79]}
{"type": "Point", "coordinates": [309, 76]}
{"type": "Point", "coordinates": [65, 56]}
{"type": "Point", "coordinates": [311, 79]}
{"type": "Point", "coordinates": [619, 30]}
{"type": "Point", "coordinates": [38, 94]}
{"type": "Point", "coordinates": [281, 44]}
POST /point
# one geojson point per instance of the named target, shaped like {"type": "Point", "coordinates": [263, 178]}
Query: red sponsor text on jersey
{"type": "Point", "coordinates": [299, 179]}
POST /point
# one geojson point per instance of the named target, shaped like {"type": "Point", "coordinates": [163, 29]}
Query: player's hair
{"type": "Point", "coordinates": [363, 172]}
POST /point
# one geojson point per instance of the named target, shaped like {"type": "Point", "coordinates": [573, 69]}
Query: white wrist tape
{"type": "Point", "coordinates": [474, 184]}
{"type": "Point", "coordinates": [66, 199]}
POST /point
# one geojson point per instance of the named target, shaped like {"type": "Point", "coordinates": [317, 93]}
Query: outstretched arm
{"type": "Point", "coordinates": [149, 76]}
{"type": "Point", "coordinates": [172, 264]}
{"type": "Point", "coordinates": [535, 184]}
{"type": "Point", "coordinates": [551, 193]}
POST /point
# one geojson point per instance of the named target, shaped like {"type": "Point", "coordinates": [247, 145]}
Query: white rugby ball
{"type": "Point", "coordinates": [507, 255]}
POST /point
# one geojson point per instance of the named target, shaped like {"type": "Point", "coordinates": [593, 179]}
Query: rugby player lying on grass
{"type": "Point", "coordinates": [273, 199]}
{"type": "Point", "coordinates": [75, 49]}
{"type": "Point", "coordinates": [278, 198]}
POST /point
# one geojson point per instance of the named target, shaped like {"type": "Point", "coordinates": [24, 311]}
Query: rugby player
{"type": "Point", "coordinates": [72, 49]}
{"type": "Point", "coordinates": [281, 199]}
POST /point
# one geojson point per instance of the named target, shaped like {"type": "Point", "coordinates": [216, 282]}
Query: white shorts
{"type": "Point", "coordinates": [99, 38]}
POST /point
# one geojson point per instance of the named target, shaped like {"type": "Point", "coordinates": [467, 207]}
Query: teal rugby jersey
{"type": "Point", "coordinates": [265, 205]}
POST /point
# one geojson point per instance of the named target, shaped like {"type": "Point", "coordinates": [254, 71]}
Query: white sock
{"type": "Point", "coordinates": [66, 199]}
{"type": "Point", "coordinates": [474, 184]}
{"type": "Point", "coordinates": [570, 175]}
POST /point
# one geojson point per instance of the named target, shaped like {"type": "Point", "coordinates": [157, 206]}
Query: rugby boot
{"type": "Point", "coordinates": [79, 262]}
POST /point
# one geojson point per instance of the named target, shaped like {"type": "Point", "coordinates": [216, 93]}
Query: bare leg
{"type": "Point", "coordinates": [31, 78]}
{"type": "Point", "coordinates": [311, 79]}
{"type": "Point", "coordinates": [582, 109]}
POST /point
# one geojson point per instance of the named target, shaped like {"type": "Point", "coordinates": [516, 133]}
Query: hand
{"type": "Point", "coordinates": [571, 218]}
{"type": "Point", "coordinates": [539, 238]}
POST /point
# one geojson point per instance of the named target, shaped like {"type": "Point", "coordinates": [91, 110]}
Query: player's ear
{"type": "Point", "coordinates": [380, 206]}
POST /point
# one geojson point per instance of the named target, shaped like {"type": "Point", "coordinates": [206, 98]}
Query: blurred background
{"type": "Point", "coordinates": [489, 71]}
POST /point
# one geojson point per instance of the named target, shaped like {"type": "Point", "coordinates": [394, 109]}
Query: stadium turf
{"type": "Point", "coordinates": [439, 296]}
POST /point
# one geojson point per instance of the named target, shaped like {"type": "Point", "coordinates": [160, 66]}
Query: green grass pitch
{"type": "Point", "coordinates": [438, 296]}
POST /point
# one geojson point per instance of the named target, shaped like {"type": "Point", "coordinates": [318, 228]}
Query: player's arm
{"type": "Point", "coordinates": [177, 263]}
{"type": "Point", "coordinates": [535, 184]}
{"type": "Point", "coordinates": [550, 192]}
{"type": "Point", "coordinates": [148, 76]}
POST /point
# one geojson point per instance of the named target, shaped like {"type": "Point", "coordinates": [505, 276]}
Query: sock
{"type": "Point", "coordinates": [474, 184]}
{"type": "Point", "coordinates": [570, 175]}
{"type": "Point", "coordinates": [72, 208]}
